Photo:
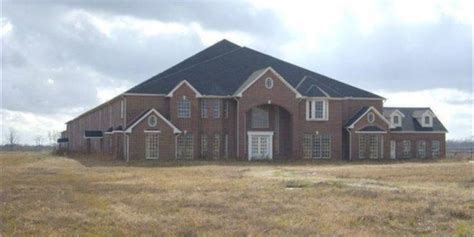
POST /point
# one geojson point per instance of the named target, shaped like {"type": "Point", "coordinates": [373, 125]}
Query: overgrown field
{"type": "Point", "coordinates": [45, 195]}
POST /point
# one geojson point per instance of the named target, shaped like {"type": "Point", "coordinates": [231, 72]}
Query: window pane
{"type": "Point", "coordinates": [184, 108]}
{"type": "Point", "coordinates": [435, 147]}
{"type": "Point", "coordinates": [204, 108]}
{"type": "Point", "coordinates": [319, 109]}
{"type": "Point", "coordinates": [204, 145]}
{"type": "Point", "coordinates": [216, 109]}
{"type": "Point", "coordinates": [307, 146]}
{"type": "Point", "coordinates": [216, 151]}
{"type": "Point", "coordinates": [259, 118]}
{"type": "Point", "coordinates": [326, 146]}
{"type": "Point", "coordinates": [421, 147]}
{"type": "Point", "coordinates": [185, 146]}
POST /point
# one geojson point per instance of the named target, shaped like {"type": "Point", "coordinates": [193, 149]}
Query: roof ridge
{"type": "Point", "coordinates": [329, 78]}
{"type": "Point", "coordinates": [157, 77]}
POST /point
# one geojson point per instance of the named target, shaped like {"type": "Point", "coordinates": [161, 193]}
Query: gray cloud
{"type": "Point", "coordinates": [78, 59]}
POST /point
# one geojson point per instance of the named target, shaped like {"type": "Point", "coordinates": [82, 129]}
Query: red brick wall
{"type": "Point", "coordinates": [166, 141]}
{"type": "Point", "coordinates": [414, 137]}
{"type": "Point", "coordinates": [137, 104]}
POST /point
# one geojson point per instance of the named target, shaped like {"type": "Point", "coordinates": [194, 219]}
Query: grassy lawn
{"type": "Point", "coordinates": [46, 195]}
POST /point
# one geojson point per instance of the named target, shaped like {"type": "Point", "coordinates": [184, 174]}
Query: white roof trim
{"type": "Point", "coordinates": [175, 129]}
{"type": "Point", "coordinates": [143, 94]}
{"type": "Point", "coordinates": [198, 94]}
{"type": "Point", "coordinates": [375, 132]}
{"type": "Point", "coordinates": [418, 132]}
{"type": "Point", "coordinates": [397, 111]}
{"type": "Point", "coordinates": [376, 112]}
{"type": "Point", "coordinates": [239, 92]}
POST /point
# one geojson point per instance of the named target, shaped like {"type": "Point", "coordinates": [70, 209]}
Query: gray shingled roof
{"type": "Point", "coordinates": [410, 123]}
{"type": "Point", "coordinates": [223, 67]}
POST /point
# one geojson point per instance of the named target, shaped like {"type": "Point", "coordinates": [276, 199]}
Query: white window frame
{"type": "Point", "coordinates": [184, 112]}
{"type": "Point", "coordinates": [204, 108]}
{"type": "Point", "coordinates": [435, 150]}
{"type": "Point", "coordinates": [268, 83]}
{"type": "Point", "coordinates": [371, 117]}
{"type": "Point", "coordinates": [398, 124]}
{"type": "Point", "coordinates": [311, 110]}
{"type": "Point", "coordinates": [430, 123]}
{"type": "Point", "coordinates": [150, 123]}
{"type": "Point", "coordinates": [421, 149]}
{"type": "Point", "coordinates": [122, 108]}
{"type": "Point", "coordinates": [148, 138]}
{"type": "Point", "coordinates": [216, 109]}
{"type": "Point", "coordinates": [255, 123]}
{"type": "Point", "coordinates": [250, 134]}
{"type": "Point", "coordinates": [226, 109]}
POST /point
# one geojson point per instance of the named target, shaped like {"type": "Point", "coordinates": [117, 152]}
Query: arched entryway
{"type": "Point", "coordinates": [268, 132]}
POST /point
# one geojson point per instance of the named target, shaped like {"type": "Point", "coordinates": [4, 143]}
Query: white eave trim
{"type": "Point", "coordinates": [267, 133]}
{"type": "Point", "coordinates": [374, 132]}
{"type": "Point", "coordinates": [418, 132]}
{"type": "Point", "coordinates": [143, 94]}
{"type": "Point", "coordinates": [175, 129]}
{"type": "Point", "coordinates": [242, 90]}
{"type": "Point", "coordinates": [368, 110]}
{"type": "Point", "coordinates": [198, 94]}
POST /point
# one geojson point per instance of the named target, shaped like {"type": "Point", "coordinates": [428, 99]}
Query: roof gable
{"type": "Point", "coordinates": [413, 124]}
{"type": "Point", "coordinates": [361, 113]}
{"type": "Point", "coordinates": [182, 83]}
{"type": "Point", "coordinates": [257, 75]}
{"type": "Point", "coordinates": [222, 72]}
{"type": "Point", "coordinates": [145, 114]}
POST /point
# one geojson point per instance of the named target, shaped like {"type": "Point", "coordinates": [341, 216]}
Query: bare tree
{"type": "Point", "coordinates": [39, 140]}
{"type": "Point", "coordinates": [12, 138]}
{"type": "Point", "coordinates": [53, 135]}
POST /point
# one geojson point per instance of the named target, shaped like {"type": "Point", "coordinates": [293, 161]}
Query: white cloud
{"type": "Point", "coordinates": [453, 107]}
{"type": "Point", "coordinates": [29, 125]}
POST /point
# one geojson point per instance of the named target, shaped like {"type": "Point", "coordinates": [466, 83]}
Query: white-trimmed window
{"type": "Point", "coordinates": [184, 108]}
{"type": "Point", "coordinates": [122, 108]}
{"type": "Point", "coordinates": [185, 146]}
{"type": "Point", "coordinates": [226, 108]}
{"type": "Point", "coordinates": [226, 146]}
{"type": "Point", "coordinates": [370, 146]}
{"type": "Point", "coordinates": [216, 146]}
{"type": "Point", "coordinates": [427, 121]}
{"type": "Point", "coordinates": [435, 147]}
{"type": "Point", "coordinates": [371, 117]}
{"type": "Point", "coordinates": [406, 149]}
{"type": "Point", "coordinates": [216, 109]}
{"type": "Point", "coordinates": [152, 121]}
{"type": "Point", "coordinates": [152, 145]}
{"type": "Point", "coordinates": [269, 83]}
{"type": "Point", "coordinates": [204, 108]}
{"type": "Point", "coordinates": [316, 146]}
{"type": "Point", "coordinates": [396, 121]}
{"type": "Point", "coordinates": [204, 145]}
{"type": "Point", "coordinates": [259, 118]}
{"type": "Point", "coordinates": [421, 149]}
{"type": "Point", "coordinates": [316, 109]}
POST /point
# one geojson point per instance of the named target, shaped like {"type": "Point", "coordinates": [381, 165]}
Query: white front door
{"type": "Point", "coordinates": [393, 149]}
{"type": "Point", "coordinates": [260, 145]}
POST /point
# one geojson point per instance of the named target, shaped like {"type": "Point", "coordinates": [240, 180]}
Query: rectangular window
{"type": "Point", "coordinates": [226, 108]}
{"type": "Point", "coordinates": [226, 146]}
{"type": "Point", "coordinates": [204, 145]}
{"type": "Point", "coordinates": [435, 147]}
{"type": "Point", "coordinates": [152, 141]}
{"type": "Point", "coordinates": [370, 146]}
{"type": "Point", "coordinates": [122, 108]}
{"type": "Point", "coordinates": [259, 118]}
{"type": "Point", "coordinates": [316, 110]}
{"type": "Point", "coordinates": [216, 109]}
{"type": "Point", "coordinates": [316, 146]}
{"type": "Point", "coordinates": [204, 108]}
{"type": "Point", "coordinates": [406, 149]}
{"type": "Point", "coordinates": [185, 146]}
{"type": "Point", "coordinates": [217, 146]}
{"type": "Point", "coordinates": [184, 108]}
{"type": "Point", "coordinates": [421, 149]}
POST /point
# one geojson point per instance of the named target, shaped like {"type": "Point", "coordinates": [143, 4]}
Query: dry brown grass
{"type": "Point", "coordinates": [44, 195]}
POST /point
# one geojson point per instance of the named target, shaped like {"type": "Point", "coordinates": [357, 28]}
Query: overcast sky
{"type": "Point", "coordinates": [60, 59]}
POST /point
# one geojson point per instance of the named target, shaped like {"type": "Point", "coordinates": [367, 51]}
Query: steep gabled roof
{"type": "Point", "coordinates": [223, 67]}
{"type": "Point", "coordinates": [410, 122]}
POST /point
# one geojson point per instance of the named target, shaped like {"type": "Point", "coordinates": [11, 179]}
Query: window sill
{"type": "Point", "coordinates": [321, 120]}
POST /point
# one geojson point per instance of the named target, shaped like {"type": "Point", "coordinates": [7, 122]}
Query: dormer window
{"type": "Point", "coordinates": [427, 121]}
{"type": "Point", "coordinates": [396, 121]}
